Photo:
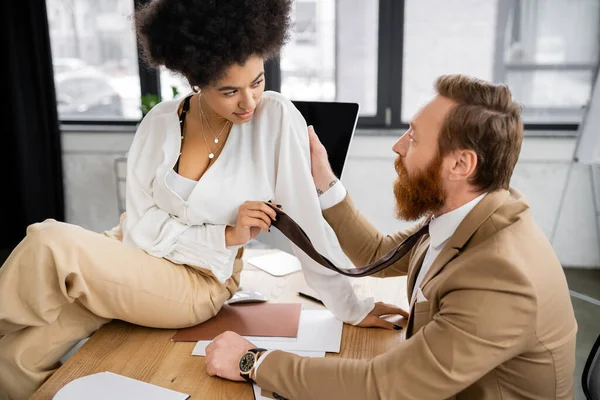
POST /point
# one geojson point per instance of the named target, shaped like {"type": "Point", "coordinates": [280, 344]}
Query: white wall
{"type": "Point", "coordinates": [560, 191]}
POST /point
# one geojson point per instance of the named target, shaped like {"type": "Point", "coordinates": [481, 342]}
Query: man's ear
{"type": "Point", "coordinates": [463, 165]}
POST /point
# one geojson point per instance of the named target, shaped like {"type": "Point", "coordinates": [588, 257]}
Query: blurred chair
{"type": "Point", "coordinates": [121, 175]}
{"type": "Point", "coordinates": [590, 380]}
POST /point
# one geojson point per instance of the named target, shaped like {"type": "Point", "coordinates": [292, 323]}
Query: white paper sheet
{"type": "Point", "coordinates": [257, 390]}
{"type": "Point", "coordinates": [277, 264]}
{"type": "Point", "coordinates": [319, 330]}
{"type": "Point", "coordinates": [107, 385]}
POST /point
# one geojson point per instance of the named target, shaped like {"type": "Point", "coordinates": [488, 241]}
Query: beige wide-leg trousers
{"type": "Point", "coordinates": [62, 283]}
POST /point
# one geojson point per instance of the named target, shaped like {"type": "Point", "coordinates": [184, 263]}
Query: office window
{"type": "Point", "coordinates": [332, 54]}
{"type": "Point", "coordinates": [444, 37]}
{"type": "Point", "coordinates": [535, 46]}
{"type": "Point", "coordinates": [306, 23]}
{"type": "Point", "coordinates": [172, 83]}
{"type": "Point", "coordinates": [550, 62]}
{"type": "Point", "coordinates": [95, 59]}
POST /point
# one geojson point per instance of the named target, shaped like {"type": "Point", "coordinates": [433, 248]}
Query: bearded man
{"type": "Point", "coordinates": [490, 312]}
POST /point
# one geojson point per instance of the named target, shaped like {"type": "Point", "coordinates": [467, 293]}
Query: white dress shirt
{"type": "Point", "coordinates": [267, 158]}
{"type": "Point", "coordinates": [441, 230]}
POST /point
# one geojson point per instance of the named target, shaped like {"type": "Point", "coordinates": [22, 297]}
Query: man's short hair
{"type": "Point", "coordinates": [486, 121]}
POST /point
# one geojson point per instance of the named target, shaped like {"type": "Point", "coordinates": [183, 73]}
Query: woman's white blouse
{"type": "Point", "coordinates": [267, 158]}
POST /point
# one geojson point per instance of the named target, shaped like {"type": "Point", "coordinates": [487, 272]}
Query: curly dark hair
{"type": "Point", "coordinates": [200, 39]}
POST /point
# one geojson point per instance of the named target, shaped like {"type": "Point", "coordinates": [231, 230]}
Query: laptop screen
{"type": "Point", "coordinates": [334, 123]}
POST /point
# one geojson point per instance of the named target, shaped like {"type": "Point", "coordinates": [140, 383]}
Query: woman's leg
{"type": "Point", "coordinates": [29, 356]}
{"type": "Point", "coordinates": [58, 265]}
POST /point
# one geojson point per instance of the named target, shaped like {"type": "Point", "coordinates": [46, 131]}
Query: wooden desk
{"type": "Point", "coordinates": [149, 355]}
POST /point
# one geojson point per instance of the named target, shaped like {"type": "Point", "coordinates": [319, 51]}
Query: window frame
{"type": "Point", "coordinates": [388, 119]}
{"type": "Point", "coordinates": [502, 68]}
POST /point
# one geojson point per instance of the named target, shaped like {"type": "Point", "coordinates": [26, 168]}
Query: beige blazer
{"type": "Point", "coordinates": [496, 323]}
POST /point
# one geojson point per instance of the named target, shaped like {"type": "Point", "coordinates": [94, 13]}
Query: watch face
{"type": "Point", "coordinates": [246, 362]}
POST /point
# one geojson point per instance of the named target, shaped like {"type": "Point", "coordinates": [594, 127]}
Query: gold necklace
{"type": "Point", "coordinates": [211, 154]}
{"type": "Point", "coordinates": [203, 116]}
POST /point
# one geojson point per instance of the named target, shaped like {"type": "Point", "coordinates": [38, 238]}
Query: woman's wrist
{"type": "Point", "coordinates": [230, 237]}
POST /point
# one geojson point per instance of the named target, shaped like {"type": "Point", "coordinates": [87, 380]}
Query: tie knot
{"type": "Point", "coordinates": [425, 228]}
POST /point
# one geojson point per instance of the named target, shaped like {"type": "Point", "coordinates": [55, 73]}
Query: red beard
{"type": "Point", "coordinates": [418, 195]}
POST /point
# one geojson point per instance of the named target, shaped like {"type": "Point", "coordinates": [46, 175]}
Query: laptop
{"type": "Point", "coordinates": [335, 124]}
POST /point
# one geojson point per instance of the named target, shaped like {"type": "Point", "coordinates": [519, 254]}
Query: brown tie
{"type": "Point", "coordinates": [294, 232]}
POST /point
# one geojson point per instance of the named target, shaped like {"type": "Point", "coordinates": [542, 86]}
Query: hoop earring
{"type": "Point", "coordinates": [196, 89]}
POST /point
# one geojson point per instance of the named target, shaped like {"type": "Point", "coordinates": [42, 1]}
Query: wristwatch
{"type": "Point", "coordinates": [248, 362]}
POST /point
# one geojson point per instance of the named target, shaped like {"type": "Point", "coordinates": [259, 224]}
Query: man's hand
{"type": "Point", "coordinates": [322, 173]}
{"type": "Point", "coordinates": [253, 217]}
{"type": "Point", "coordinates": [373, 319]}
{"type": "Point", "coordinates": [223, 355]}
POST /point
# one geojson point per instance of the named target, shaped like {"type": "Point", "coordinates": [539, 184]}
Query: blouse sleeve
{"type": "Point", "coordinates": [295, 191]}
